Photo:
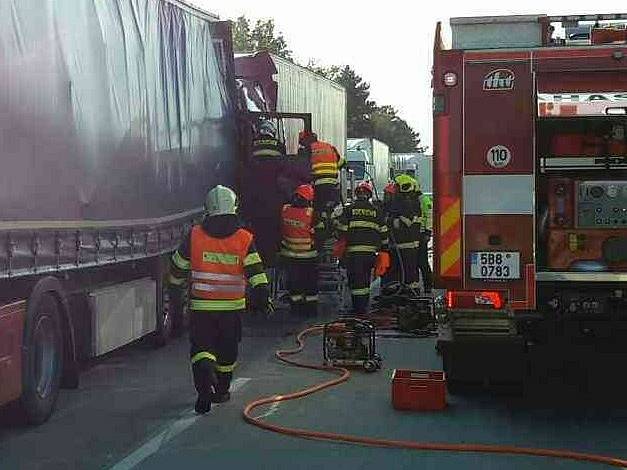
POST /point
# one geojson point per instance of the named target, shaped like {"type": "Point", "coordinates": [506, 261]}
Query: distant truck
{"type": "Point", "coordinates": [369, 160]}
{"type": "Point", "coordinates": [418, 165]}
{"type": "Point", "coordinates": [530, 195]}
{"type": "Point", "coordinates": [108, 149]}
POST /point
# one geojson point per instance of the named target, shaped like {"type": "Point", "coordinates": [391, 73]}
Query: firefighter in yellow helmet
{"type": "Point", "coordinates": [218, 258]}
{"type": "Point", "coordinates": [404, 223]}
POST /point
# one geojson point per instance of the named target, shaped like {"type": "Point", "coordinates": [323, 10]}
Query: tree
{"type": "Point", "coordinates": [261, 37]}
{"type": "Point", "coordinates": [365, 118]}
{"type": "Point", "coordinates": [388, 127]}
{"type": "Point", "coordinates": [359, 107]}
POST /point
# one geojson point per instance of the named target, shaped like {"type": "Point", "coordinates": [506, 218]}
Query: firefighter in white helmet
{"type": "Point", "coordinates": [262, 209]}
{"type": "Point", "coordinates": [219, 258]}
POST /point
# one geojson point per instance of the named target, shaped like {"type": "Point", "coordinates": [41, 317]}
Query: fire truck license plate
{"type": "Point", "coordinates": [497, 265]}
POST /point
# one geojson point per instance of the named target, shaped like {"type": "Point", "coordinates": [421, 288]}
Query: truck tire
{"type": "Point", "coordinates": [42, 358]}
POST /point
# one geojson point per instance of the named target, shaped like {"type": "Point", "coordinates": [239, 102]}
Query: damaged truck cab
{"type": "Point", "coordinates": [530, 191]}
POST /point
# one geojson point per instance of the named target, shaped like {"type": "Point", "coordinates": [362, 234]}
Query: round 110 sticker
{"type": "Point", "coordinates": [499, 156]}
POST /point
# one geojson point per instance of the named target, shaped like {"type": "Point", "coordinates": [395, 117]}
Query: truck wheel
{"type": "Point", "coordinates": [42, 359]}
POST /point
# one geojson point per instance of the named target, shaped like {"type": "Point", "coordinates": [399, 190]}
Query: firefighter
{"type": "Point", "coordinates": [326, 163]}
{"type": "Point", "coordinates": [263, 209]}
{"type": "Point", "coordinates": [389, 193]}
{"type": "Point", "coordinates": [299, 252]}
{"type": "Point", "coordinates": [265, 145]}
{"type": "Point", "coordinates": [426, 226]}
{"type": "Point", "coordinates": [389, 206]}
{"type": "Point", "coordinates": [404, 221]}
{"type": "Point", "coordinates": [218, 256]}
{"type": "Point", "coordinates": [362, 230]}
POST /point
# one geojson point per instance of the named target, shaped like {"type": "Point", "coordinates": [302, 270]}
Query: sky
{"type": "Point", "coordinates": [388, 43]}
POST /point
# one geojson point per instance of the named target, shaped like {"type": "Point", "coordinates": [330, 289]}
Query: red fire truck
{"type": "Point", "coordinates": [530, 191]}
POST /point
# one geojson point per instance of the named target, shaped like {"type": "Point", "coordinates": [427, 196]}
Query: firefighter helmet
{"type": "Point", "coordinates": [390, 188]}
{"type": "Point", "coordinates": [267, 128]}
{"type": "Point", "coordinates": [305, 137]}
{"type": "Point", "coordinates": [306, 191]}
{"type": "Point", "coordinates": [405, 183]}
{"type": "Point", "coordinates": [363, 188]}
{"type": "Point", "coordinates": [221, 201]}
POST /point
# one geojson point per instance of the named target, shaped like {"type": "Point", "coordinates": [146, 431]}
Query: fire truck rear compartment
{"type": "Point", "coordinates": [581, 214]}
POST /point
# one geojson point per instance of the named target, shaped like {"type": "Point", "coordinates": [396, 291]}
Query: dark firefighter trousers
{"type": "Point", "coordinates": [302, 285]}
{"type": "Point", "coordinates": [404, 268]}
{"type": "Point", "coordinates": [359, 270]}
{"type": "Point", "coordinates": [214, 334]}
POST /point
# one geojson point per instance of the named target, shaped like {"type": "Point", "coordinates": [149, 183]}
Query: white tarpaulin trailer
{"type": "Point", "coordinates": [303, 91]}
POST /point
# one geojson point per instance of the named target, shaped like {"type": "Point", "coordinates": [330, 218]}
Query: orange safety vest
{"type": "Point", "coordinates": [297, 232]}
{"type": "Point", "coordinates": [324, 163]}
{"type": "Point", "coordinates": [217, 266]}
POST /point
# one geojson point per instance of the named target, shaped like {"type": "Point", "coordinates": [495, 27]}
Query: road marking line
{"type": "Point", "coordinates": [185, 420]}
{"type": "Point", "coordinates": [273, 409]}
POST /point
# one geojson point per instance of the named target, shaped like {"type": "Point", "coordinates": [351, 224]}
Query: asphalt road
{"type": "Point", "coordinates": [134, 410]}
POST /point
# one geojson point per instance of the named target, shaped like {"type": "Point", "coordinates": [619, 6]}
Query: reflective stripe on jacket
{"type": "Point", "coordinates": [218, 279]}
{"type": "Point", "coordinates": [297, 232]}
{"type": "Point", "coordinates": [405, 221]}
{"type": "Point", "coordinates": [363, 227]}
{"type": "Point", "coordinates": [325, 163]}
{"type": "Point", "coordinates": [268, 147]}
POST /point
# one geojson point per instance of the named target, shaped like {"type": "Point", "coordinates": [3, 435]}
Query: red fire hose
{"type": "Point", "coordinates": [344, 375]}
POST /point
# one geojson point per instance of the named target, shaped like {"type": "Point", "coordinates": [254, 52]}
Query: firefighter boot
{"type": "Point", "coordinates": [203, 404]}
{"type": "Point", "coordinates": [222, 393]}
{"type": "Point", "coordinates": [206, 380]}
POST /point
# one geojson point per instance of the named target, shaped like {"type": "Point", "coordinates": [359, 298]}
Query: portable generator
{"type": "Point", "coordinates": [350, 342]}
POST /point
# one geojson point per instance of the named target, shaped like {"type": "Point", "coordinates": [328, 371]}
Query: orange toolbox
{"type": "Point", "coordinates": [418, 390]}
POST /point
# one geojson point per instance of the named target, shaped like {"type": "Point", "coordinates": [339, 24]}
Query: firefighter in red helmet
{"type": "Point", "coordinates": [389, 193]}
{"type": "Point", "coordinates": [299, 252]}
{"type": "Point", "coordinates": [361, 226]}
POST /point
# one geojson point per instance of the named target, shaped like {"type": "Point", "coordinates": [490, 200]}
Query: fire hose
{"type": "Point", "coordinates": [343, 376]}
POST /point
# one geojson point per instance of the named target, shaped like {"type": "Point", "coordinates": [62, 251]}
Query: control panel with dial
{"type": "Point", "coordinates": [602, 204]}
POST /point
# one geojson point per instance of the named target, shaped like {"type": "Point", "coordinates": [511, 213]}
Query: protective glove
{"type": "Point", "coordinates": [382, 263]}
